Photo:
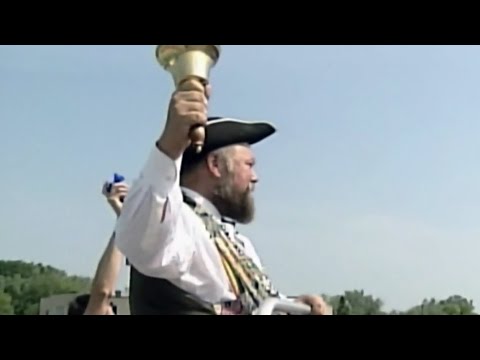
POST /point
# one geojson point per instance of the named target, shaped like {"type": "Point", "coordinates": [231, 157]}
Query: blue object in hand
{"type": "Point", "coordinates": [117, 178]}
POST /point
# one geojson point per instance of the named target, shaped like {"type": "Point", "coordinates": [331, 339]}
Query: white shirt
{"type": "Point", "coordinates": [162, 237]}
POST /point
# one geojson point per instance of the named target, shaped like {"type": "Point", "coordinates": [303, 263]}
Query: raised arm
{"type": "Point", "coordinates": [106, 276]}
{"type": "Point", "coordinates": [105, 280]}
{"type": "Point", "coordinates": [149, 231]}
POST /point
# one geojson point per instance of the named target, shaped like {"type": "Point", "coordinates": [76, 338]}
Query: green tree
{"type": "Point", "coordinates": [453, 305]}
{"type": "Point", "coordinates": [356, 302]}
{"type": "Point", "coordinates": [28, 283]}
{"type": "Point", "coordinates": [6, 307]}
{"type": "Point", "coordinates": [344, 307]}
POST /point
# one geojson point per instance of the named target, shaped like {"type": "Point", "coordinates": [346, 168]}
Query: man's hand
{"type": "Point", "coordinates": [187, 109]}
{"type": "Point", "coordinates": [318, 305]}
{"type": "Point", "coordinates": [115, 196]}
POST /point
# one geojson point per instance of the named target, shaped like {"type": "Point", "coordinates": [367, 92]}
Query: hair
{"type": "Point", "coordinates": [78, 305]}
{"type": "Point", "coordinates": [190, 166]}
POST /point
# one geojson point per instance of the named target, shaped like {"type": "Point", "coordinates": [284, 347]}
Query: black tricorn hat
{"type": "Point", "coordinates": [224, 131]}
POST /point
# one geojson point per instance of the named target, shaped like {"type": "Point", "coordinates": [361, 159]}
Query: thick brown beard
{"type": "Point", "coordinates": [234, 204]}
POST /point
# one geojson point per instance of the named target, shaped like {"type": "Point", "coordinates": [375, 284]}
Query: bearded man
{"type": "Point", "coordinates": [177, 226]}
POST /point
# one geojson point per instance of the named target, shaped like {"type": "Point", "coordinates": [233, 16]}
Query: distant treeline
{"type": "Point", "coordinates": [22, 285]}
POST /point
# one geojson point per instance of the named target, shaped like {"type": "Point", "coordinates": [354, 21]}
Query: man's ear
{"type": "Point", "coordinates": [213, 165]}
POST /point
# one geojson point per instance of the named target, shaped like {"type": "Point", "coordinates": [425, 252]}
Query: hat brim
{"type": "Point", "coordinates": [222, 132]}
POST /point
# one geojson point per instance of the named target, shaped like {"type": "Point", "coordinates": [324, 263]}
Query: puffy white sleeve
{"type": "Point", "coordinates": [149, 231]}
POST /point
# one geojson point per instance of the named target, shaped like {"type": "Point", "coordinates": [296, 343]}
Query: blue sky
{"type": "Point", "coordinates": [372, 180]}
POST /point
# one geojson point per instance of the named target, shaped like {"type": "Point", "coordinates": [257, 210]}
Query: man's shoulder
{"type": "Point", "coordinates": [192, 222]}
{"type": "Point", "coordinates": [189, 215]}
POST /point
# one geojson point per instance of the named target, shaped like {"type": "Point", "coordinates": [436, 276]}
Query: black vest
{"type": "Point", "coordinates": [152, 296]}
